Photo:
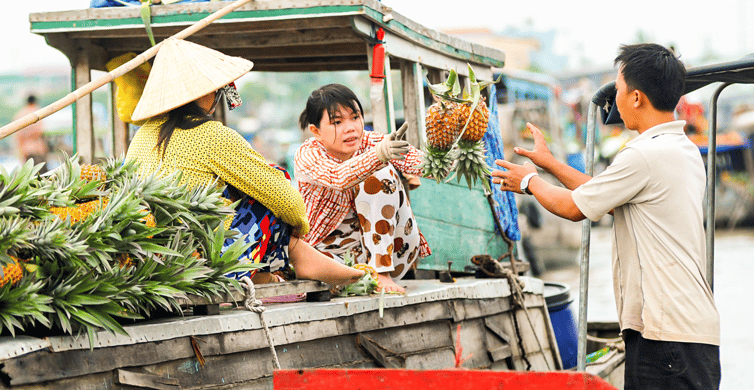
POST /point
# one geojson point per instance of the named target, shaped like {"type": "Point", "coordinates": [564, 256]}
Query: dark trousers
{"type": "Point", "coordinates": [669, 365]}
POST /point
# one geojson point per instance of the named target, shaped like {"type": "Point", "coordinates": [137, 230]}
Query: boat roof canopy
{"type": "Point", "coordinates": [733, 72]}
{"type": "Point", "coordinates": [277, 35]}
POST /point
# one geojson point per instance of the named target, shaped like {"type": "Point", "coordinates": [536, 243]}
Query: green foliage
{"type": "Point", "coordinates": [364, 286]}
{"type": "Point", "coordinates": [85, 275]}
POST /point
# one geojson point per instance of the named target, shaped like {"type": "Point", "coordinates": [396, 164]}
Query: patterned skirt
{"type": "Point", "coordinates": [268, 235]}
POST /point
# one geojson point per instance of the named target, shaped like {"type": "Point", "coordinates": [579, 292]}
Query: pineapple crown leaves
{"type": "Point", "coordinates": [21, 192]}
{"type": "Point", "coordinates": [473, 94]}
{"type": "Point", "coordinates": [448, 89]}
{"type": "Point", "coordinates": [472, 164]}
{"type": "Point", "coordinates": [23, 304]}
{"type": "Point", "coordinates": [224, 263]}
{"type": "Point", "coordinates": [439, 162]}
{"type": "Point", "coordinates": [14, 236]}
{"type": "Point", "coordinates": [84, 298]}
{"type": "Point", "coordinates": [68, 177]}
{"type": "Point", "coordinates": [364, 286]}
{"type": "Point", "coordinates": [54, 241]}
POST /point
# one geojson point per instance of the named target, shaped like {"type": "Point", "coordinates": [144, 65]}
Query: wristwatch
{"type": "Point", "coordinates": [525, 183]}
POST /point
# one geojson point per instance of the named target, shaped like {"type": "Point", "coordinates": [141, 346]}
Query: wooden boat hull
{"type": "Point", "coordinates": [434, 326]}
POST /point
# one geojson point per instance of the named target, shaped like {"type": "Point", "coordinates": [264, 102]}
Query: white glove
{"type": "Point", "coordinates": [393, 147]}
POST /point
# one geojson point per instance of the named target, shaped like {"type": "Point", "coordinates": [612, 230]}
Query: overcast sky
{"type": "Point", "coordinates": [586, 29]}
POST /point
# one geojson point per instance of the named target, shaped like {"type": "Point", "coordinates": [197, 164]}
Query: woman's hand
{"type": "Point", "coordinates": [393, 146]}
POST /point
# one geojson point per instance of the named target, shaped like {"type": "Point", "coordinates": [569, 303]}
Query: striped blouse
{"type": "Point", "coordinates": [327, 182]}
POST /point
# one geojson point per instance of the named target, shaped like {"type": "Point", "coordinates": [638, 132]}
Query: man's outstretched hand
{"type": "Point", "coordinates": [540, 155]}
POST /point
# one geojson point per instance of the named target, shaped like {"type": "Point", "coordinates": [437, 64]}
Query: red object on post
{"type": "Point", "coordinates": [390, 379]}
{"type": "Point", "coordinates": [378, 57]}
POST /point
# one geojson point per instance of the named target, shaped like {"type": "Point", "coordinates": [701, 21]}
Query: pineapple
{"type": "Point", "coordinates": [475, 115]}
{"type": "Point", "coordinates": [80, 211]}
{"type": "Point", "coordinates": [92, 172]}
{"type": "Point", "coordinates": [443, 126]}
{"type": "Point", "coordinates": [479, 119]}
{"type": "Point", "coordinates": [12, 272]}
{"type": "Point", "coordinates": [455, 128]}
{"type": "Point", "coordinates": [125, 260]}
{"type": "Point", "coordinates": [103, 242]}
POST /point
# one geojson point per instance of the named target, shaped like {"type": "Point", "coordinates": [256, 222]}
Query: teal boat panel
{"type": "Point", "coordinates": [457, 223]}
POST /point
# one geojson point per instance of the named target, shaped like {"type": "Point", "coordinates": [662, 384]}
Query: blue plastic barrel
{"type": "Point", "coordinates": [558, 299]}
{"type": "Point", "coordinates": [576, 160]}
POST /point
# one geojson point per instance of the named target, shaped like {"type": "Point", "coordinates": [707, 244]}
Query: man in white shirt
{"type": "Point", "coordinates": [655, 189]}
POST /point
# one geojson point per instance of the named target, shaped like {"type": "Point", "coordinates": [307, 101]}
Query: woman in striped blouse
{"type": "Point", "coordinates": [350, 181]}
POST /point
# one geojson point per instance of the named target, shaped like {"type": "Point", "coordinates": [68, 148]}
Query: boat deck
{"type": "Point", "coordinates": [431, 327]}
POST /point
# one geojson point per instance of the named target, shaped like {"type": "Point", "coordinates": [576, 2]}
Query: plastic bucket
{"type": "Point", "coordinates": [576, 161]}
{"type": "Point", "coordinates": [558, 299]}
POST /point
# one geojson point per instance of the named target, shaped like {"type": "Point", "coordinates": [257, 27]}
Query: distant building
{"type": "Point", "coordinates": [524, 50]}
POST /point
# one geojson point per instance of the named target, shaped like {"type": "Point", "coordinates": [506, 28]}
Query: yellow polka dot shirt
{"type": "Point", "coordinates": [212, 152]}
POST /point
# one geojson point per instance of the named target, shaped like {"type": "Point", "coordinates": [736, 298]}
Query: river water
{"type": "Point", "coordinates": [733, 286]}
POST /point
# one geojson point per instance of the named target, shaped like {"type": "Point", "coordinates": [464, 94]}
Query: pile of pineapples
{"type": "Point", "coordinates": [90, 247]}
{"type": "Point", "coordinates": [455, 126]}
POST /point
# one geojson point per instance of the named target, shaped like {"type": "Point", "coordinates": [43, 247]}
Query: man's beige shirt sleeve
{"type": "Point", "coordinates": [617, 185]}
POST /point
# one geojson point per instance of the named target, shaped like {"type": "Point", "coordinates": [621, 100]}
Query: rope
{"type": "Point", "coordinates": [518, 335]}
{"type": "Point", "coordinates": [517, 293]}
{"type": "Point", "coordinates": [251, 303]}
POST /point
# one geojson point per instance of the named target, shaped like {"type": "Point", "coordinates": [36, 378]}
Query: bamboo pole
{"type": "Point", "coordinates": [89, 87]}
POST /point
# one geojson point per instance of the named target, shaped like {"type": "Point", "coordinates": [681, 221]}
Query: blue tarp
{"type": "Point", "coordinates": [505, 203]}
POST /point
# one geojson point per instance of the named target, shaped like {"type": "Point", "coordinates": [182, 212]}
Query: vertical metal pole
{"type": "Point", "coordinates": [74, 108]}
{"type": "Point", "coordinates": [586, 230]}
{"type": "Point", "coordinates": [711, 181]}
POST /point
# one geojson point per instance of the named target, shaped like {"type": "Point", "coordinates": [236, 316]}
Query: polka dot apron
{"type": "Point", "coordinates": [380, 230]}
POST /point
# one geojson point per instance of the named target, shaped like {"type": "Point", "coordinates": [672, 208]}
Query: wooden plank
{"type": "Point", "coordinates": [394, 317]}
{"type": "Point", "coordinates": [249, 43]}
{"type": "Point", "coordinates": [473, 343]}
{"type": "Point", "coordinates": [311, 66]}
{"type": "Point", "coordinates": [239, 27]}
{"type": "Point", "coordinates": [266, 290]}
{"type": "Point", "coordinates": [414, 338]}
{"type": "Point", "coordinates": [148, 381]}
{"type": "Point", "coordinates": [84, 125]}
{"type": "Point", "coordinates": [388, 92]}
{"type": "Point", "coordinates": [43, 366]}
{"type": "Point", "coordinates": [436, 359]}
{"type": "Point", "coordinates": [195, 10]}
{"type": "Point", "coordinates": [343, 51]}
{"type": "Point", "coordinates": [497, 341]}
{"type": "Point", "coordinates": [378, 353]}
{"type": "Point", "coordinates": [413, 102]}
{"type": "Point", "coordinates": [429, 51]}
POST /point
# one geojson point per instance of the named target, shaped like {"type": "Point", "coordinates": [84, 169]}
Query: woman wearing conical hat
{"type": "Point", "coordinates": [186, 83]}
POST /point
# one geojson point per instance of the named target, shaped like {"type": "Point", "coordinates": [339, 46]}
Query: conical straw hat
{"type": "Point", "coordinates": [183, 72]}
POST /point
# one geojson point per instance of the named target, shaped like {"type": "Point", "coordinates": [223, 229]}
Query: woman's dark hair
{"type": "Point", "coordinates": [655, 71]}
{"type": "Point", "coordinates": [186, 116]}
{"type": "Point", "coordinates": [328, 97]}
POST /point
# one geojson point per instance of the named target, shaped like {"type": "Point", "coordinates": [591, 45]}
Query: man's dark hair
{"type": "Point", "coordinates": [655, 71]}
{"type": "Point", "coordinates": [328, 97]}
{"type": "Point", "coordinates": [31, 99]}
